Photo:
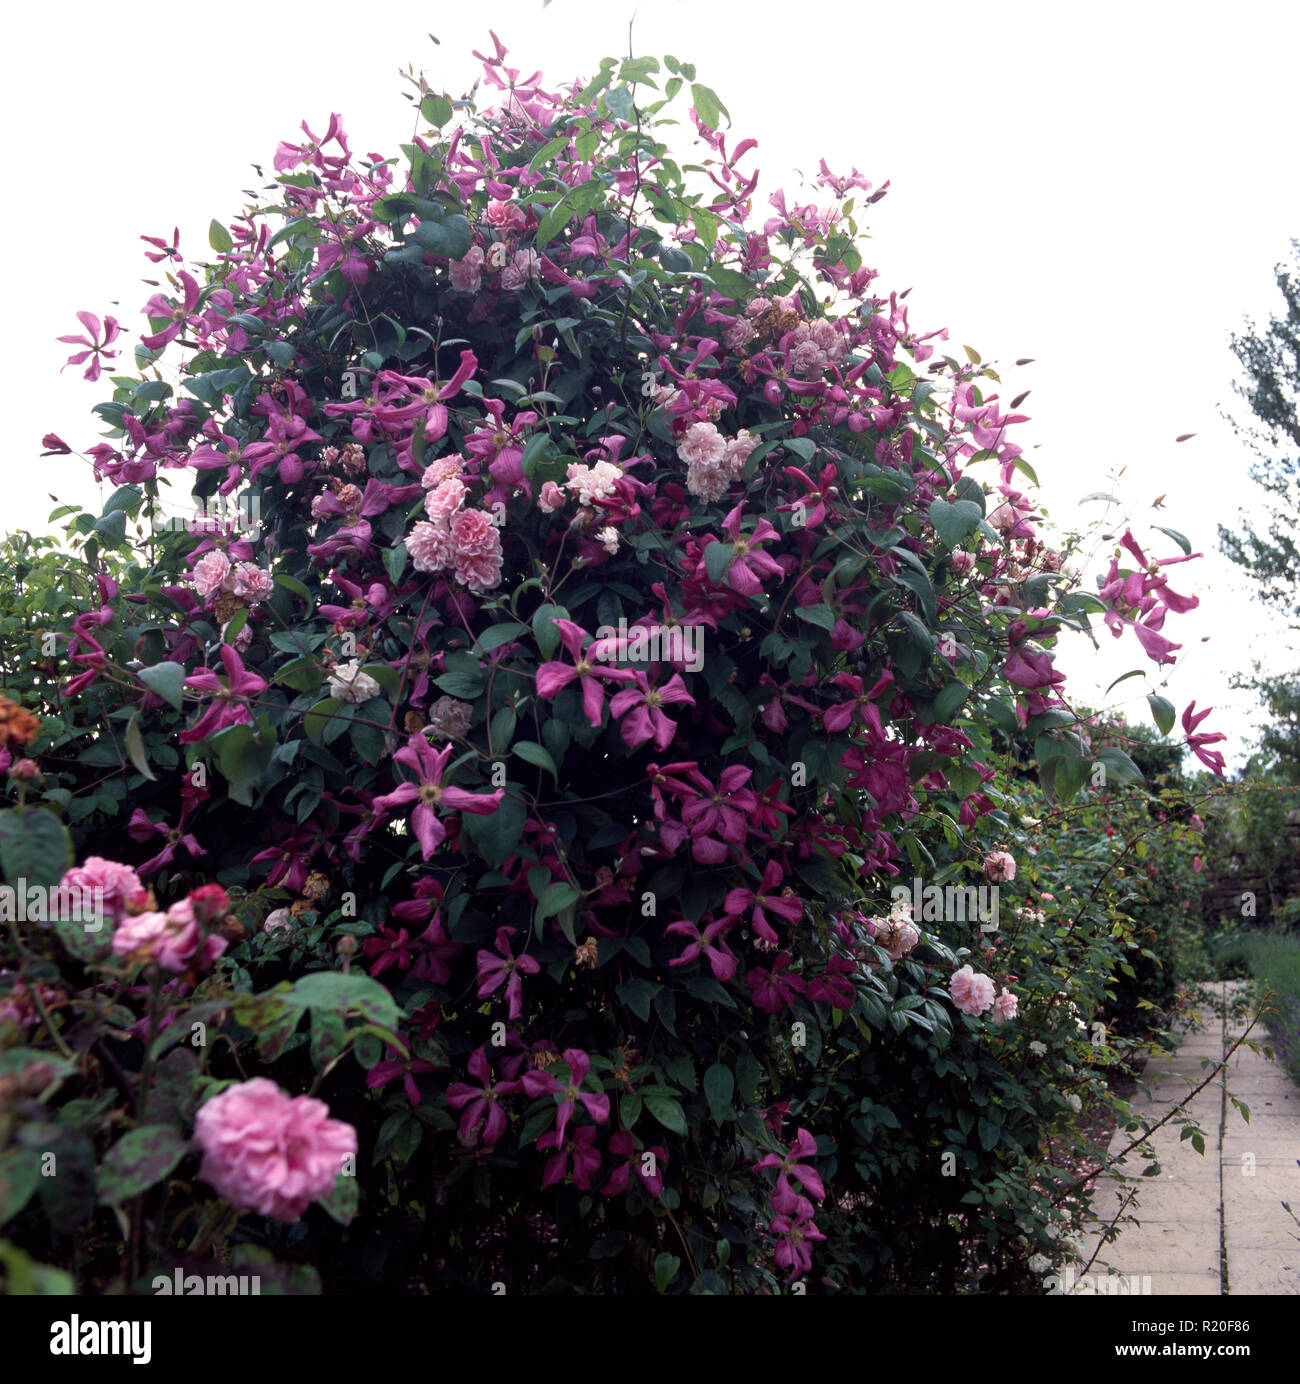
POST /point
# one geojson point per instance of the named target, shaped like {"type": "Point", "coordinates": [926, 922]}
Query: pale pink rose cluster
{"type": "Point", "coordinates": [450, 467]}
{"type": "Point", "coordinates": [173, 939]}
{"type": "Point", "coordinates": [713, 461]}
{"type": "Point", "coordinates": [119, 883]}
{"type": "Point", "coordinates": [349, 684]}
{"type": "Point", "coordinates": [550, 498]}
{"type": "Point", "coordinates": [269, 1152]}
{"type": "Point", "coordinates": [470, 545]}
{"type": "Point", "coordinates": [505, 215]}
{"type": "Point", "coordinates": [445, 499]}
{"type": "Point", "coordinates": [1005, 1007]}
{"type": "Point", "coordinates": [467, 273]}
{"type": "Point", "coordinates": [971, 991]}
{"type": "Point", "coordinates": [214, 573]}
{"type": "Point", "coordinates": [592, 483]}
{"type": "Point", "coordinates": [814, 346]}
{"type": "Point", "coordinates": [524, 267]}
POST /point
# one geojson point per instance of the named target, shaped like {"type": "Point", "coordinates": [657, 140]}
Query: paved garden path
{"type": "Point", "coordinates": [1214, 1224]}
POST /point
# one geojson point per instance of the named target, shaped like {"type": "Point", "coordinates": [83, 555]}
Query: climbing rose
{"type": "Point", "coordinates": [445, 499]}
{"type": "Point", "coordinates": [467, 273]}
{"type": "Point", "coordinates": [476, 546]}
{"type": "Point", "coordinates": [999, 866]}
{"type": "Point", "coordinates": [266, 1151]}
{"type": "Point", "coordinates": [702, 446]}
{"type": "Point", "coordinates": [971, 992]}
{"type": "Point", "coordinates": [118, 882]}
{"type": "Point", "coordinates": [210, 573]}
{"type": "Point", "coordinates": [349, 684]}
{"type": "Point", "coordinates": [172, 939]}
{"type": "Point", "coordinates": [430, 547]}
{"type": "Point", "coordinates": [1005, 1007]}
{"type": "Point", "coordinates": [252, 582]}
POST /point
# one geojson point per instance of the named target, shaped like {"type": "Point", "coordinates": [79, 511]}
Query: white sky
{"type": "Point", "coordinates": [1104, 188]}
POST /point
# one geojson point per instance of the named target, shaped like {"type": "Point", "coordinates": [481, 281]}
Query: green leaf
{"type": "Point", "coordinates": [138, 1161]}
{"type": "Point", "coordinates": [243, 755]}
{"type": "Point", "coordinates": [233, 627]}
{"type": "Point", "coordinates": [638, 994]}
{"type": "Point", "coordinates": [498, 635]}
{"type": "Point", "coordinates": [437, 110]}
{"type": "Point", "coordinates": [731, 283]}
{"type": "Point", "coordinates": [668, 1112]}
{"type": "Point", "coordinates": [1071, 775]}
{"type": "Point", "coordinates": [1124, 677]}
{"type": "Point", "coordinates": [536, 754]}
{"type": "Point", "coordinates": [552, 223]}
{"type": "Point", "coordinates": [666, 1269]}
{"type": "Point", "coordinates": [35, 846]}
{"type": "Point", "coordinates": [719, 1086]}
{"type": "Point", "coordinates": [395, 562]}
{"type": "Point", "coordinates": [947, 703]}
{"type": "Point", "coordinates": [821, 616]}
{"type": "Point", "coordinates": [717, 561]}
{"type": "Point", "coordinates": [707, 106]}
{"type": "Point", "coordinates": [339, 993]}
{"type": "Point", "coordinates": [318, 717]}
{"type": "Point", "coordinates": [167, 680]}
{"type": "Point", "coordinates": [544, 631]}
{"type": "Point", "coordinates": [1178, 538]}
{"type": "Point", "coordinates": [556, 897]}
{"type": "Point", "coordinates": [135, 748]}
{"type": "Point", "coordinates": [953, 522]}
{"type": "Point", "coordinates": [496, 834]}
{"type": "Point", "coordinates": [1162, 712]}
{"type": "Point", "coordinates": [219, 238]}
{"type": "Point", "coordinates": [618, 101]}
{"type": "Point", "coordinates": [20, 1175]}
{"type": "Point", "coordinates": [451, 236]}
{"type": "Point", "coordinates": [1119, 766]}
{"type": "Point", "coordinates": [990, 1133]}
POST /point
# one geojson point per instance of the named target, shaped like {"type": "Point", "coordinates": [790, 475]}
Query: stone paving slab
{"type": "Point", "coordinates": [1217, 1214]}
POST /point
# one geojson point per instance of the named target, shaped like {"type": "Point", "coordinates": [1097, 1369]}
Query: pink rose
{"type": "Point", "coordinates": [971, 992]}
{"type": "Point", "coordinates": [445, 499]}
{"type": "Point", "coordinates": [266, 1151]}
{"type": "Point", "coordinates": [999, 866]}
{"type": "Point", "coordinates": [252, 582]}
{"type": "Point", "coordinates": [523, 266]}
{"type": "Point", "coordinates": [1005, 1007]}
{"type": "Point", "coordinates": [962, 562]}
{"type": "Point", "coordinates": [477, 550]}
{"type": "Point", "coordinates": [505, 214]}
{"type": "Point", "coordinates": [708, 483]}
{"type": "Point", "coordinates": [702, 445]}
{"type": "Point", "coordinates": [210, 573]}
{"type": "Point", "coordinates": [171, 939]}
{"type": "Point", "coordinates": [118, 882]}
{"type": "Point", "coordinates": [551, 498]}
{"type": "Point", "coordinates": [467, 273]}
{"type": "Point", "coordinates": [430, 547]}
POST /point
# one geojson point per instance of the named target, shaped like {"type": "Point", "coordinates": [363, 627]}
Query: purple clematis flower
{"type": "Point", "coordinates": [429, 792]}
{"type": "Point", "coordinates": [224, 710]}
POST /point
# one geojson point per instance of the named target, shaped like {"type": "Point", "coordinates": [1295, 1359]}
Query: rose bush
{"type": "Point", "coordinates": [636, 598]}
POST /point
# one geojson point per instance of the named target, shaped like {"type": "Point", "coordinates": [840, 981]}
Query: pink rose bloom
{"type": "Point", "coordinates": [896, 937]}
{"type": "Point", "coordinates": [738, 452]}
{"type": "Point", "coordinates": [210, 573]}
{"type": "Point", "coordinates": [430, 547]}
{"type": "Point", "coordinates": [505, 214]}
{"type": "Point", "coordinates": [467, 273]}
{"type": "Point", "coordinates": [702, 446]}
{"type": "Point", "coordinates": [445, 499]}
{"type": "Point", "coordinates": [962, 562]}
{"type": "Point", "coordinates": [319, 506]}
{"type": "Point", "coordinates": [444, 469]}
{"type": "Point", "coordinates": [592, 483]}
{"type": "Point", "coordinates": [736, 333]}
{"type": "Point", "coordinates": [119, 882]}
{"type": "Point", "coordinates": [808, 359]}
{"type": "Point", "coordinates": [171, 939]}
{"type": "Point", "coordinates": [756, 307]}
{"type": "Point", "coordinates": [523, 266]}
{"type": "Point", "coordinates": [971, 992]}
{"type": "Point", "coordinates": [266, 1151]}
{"type": "Point", "coordinates": [999, 866]}
{"type": "Point", "coordinates": [242, 640]}
{"type": "Point", "coordinates": [252, 582]}
{"type": "Point", "coordinates": [1005, 1007]}
{"type": "Point", "coordinates": [551, 498]}
{"type": "Point", "coordinates": [477, 550]}
{"type": "Point", "coordinates": [708, 483]}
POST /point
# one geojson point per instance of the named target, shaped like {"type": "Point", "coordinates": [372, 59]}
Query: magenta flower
{"type": "Point", "coordinates": [175, 314]}
{"type": "Point", "coordinates": [765, 901]}
{"type": "Point", "coordinates": [389, 949]}
{"type": "Point", "coordinates": [429, 792]}
{"type": "Point", "coordinates": [623, 1146]}
{"type": "Point", "coordinates": [790, 1165]}
{"type": "Point", "coordinates": [722, 961]}
{"type": "Point", "coordinates": [224, 709]}
{"type": "Point", "coordinates": [541, 1083]}
{"type": "Point", "coordinates": [552, 677]}
{"type": "Point", "coordinates": [383, 1072]}
{"type": "Point", "coordinates": [579, 1147]}
{"type": "Point", "coordinates": [96, 348]}
{"type": "Point", "coordinates": [429, 398]}
{"type": "Point", "coordinates": [494, 970]}
{"type": "Point", "coordinates": [1212, 759]}
{"type": "Point", "coordinates": [481, 1104]}
{"type": "Point", "coordinates": [749, 565]}
{"type": "Point", "coordinates": [771, 991]}
{"type": "Point", "coordinates": [640, 706]}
